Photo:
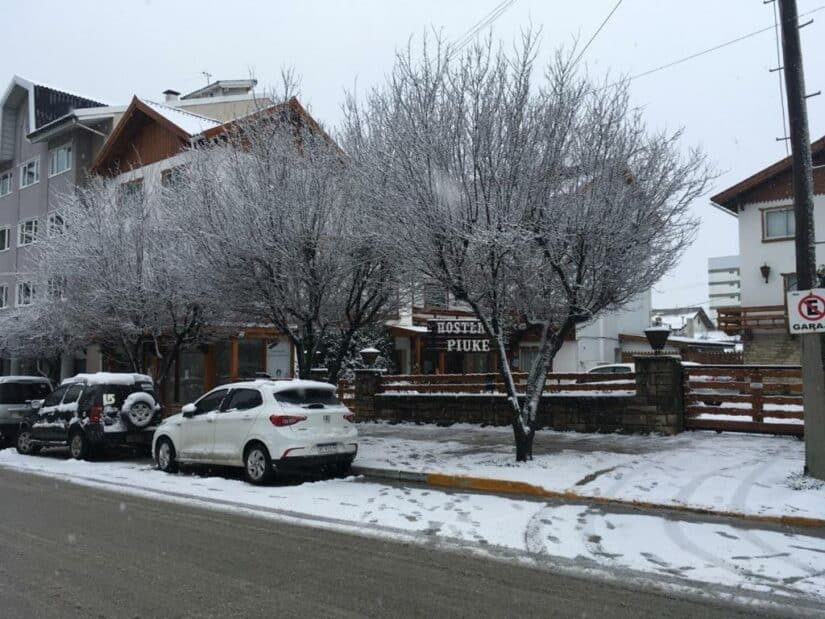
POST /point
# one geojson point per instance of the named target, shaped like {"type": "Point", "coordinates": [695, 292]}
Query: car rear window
{"type": "Point", "coordinates": [94, 394]}
{"type": "Point", "coordinates": [18, 393]}
{"type": "Point", "coordinates": [303, 396]}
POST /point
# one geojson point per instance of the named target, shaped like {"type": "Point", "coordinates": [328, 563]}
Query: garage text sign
{"type": "Point", "coordinates": [806, 311]}
{"type": "Point", "coordinates": [457, 336]}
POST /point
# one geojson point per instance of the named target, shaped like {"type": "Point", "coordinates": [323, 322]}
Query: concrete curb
{"type": "Point", "coordinates": [503, 486]}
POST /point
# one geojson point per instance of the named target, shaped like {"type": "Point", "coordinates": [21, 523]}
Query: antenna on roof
{"type": "Point", "coordinates": [208, 77]}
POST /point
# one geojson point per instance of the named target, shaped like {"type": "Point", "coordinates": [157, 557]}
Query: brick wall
{"type": "Point", "coordinates": [657, 406]}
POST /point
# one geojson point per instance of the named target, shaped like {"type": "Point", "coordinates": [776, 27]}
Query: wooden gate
{"type": "Point", "coordinates": [744, 398]}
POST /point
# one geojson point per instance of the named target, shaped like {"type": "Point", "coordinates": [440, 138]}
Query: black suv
{"type": "Point", "coordinates": [89, 411]}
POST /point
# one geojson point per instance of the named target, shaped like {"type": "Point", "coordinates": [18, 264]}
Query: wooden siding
{"type": "Point", "coordinates": [143, 142]}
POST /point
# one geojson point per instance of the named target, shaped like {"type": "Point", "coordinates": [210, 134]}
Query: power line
{"type": "Point", "coordinates": [598, 30]}
{"type": "Point", "coordinates": [484, 22]}
{"type": "Point", "coordinates": [708, 50]}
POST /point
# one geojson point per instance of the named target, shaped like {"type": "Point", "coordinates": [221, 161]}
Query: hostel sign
{"type": "Point", "coordinates": [465, 335]}
{"type": "Point", "coordinates": [806, 311]}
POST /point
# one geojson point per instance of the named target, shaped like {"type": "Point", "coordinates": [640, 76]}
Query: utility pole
{"type": "Point", "coordinates": [813, 362]}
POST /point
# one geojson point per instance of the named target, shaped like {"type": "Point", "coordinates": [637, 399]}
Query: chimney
{"type": "Point", "coordinates": [171, 95]}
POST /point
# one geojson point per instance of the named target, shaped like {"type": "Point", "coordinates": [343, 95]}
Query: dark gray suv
{"type": "Point", "coordinates": [17, 393]}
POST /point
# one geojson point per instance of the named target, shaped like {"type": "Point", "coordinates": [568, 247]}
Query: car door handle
{"type": "Point", "coordinates": [247, 417]}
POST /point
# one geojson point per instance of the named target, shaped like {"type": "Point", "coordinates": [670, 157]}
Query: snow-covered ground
{"type": "Point", "coordinates": [742, 473]}
{"type": "Point", "coordinates": [622, 544]}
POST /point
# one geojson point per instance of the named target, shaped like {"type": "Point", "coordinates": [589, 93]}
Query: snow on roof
{"type": "Point", "coordinates": [23, 379]}
{"type": "Point", "coordinates": [191, 123]}
{"type": "Point", "coordinates": [297, 383]}
{"type": "Point", "coordinates": [676, 321]}
{"type": "Point", "coordinates": [108, 378]}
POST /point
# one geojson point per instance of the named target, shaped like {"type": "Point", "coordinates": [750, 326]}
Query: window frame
{"type": "Point", "coordinates": [7, 230]}
{"type": "Point", "coordinates": [764, 217]}
{"type": "Point", "coordinates": [34, 233]}
{"type": "Point", "coordinates": [4, 296]}
{"type": "Point", "coordinates": [8, 174]}
{"type": "Point", "coordinates": [53, 152]}
{"type": "Point", "coordinates": [22, 166]}
{"type": "Point", "coordinates": [227, 405]}
{"type": "Point", "coordinates": [51, 225]}
{"type": "Point", "coordinates": [18, 295]}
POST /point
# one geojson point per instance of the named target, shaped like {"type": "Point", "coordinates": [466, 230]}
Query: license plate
{"type": "Point", "coordinates": [328, 448]}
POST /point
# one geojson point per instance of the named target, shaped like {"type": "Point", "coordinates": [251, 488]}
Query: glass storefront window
{"type": "Point", "coordinates": [251, 357]}
{"type": "Point", "coordinates": [191, 375]}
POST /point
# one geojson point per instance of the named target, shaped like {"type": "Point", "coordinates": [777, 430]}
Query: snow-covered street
{"type": "Point", "coordinates": [623, 543]}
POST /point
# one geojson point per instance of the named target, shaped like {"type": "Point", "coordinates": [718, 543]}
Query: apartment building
{"type": "Point", "coordinates": [724, 283]}
{"type": "Point", "coordinates": [49, 140]}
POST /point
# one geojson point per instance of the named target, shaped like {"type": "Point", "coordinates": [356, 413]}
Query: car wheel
{"type": "Point", "coordinates": [165, 456]}
{"type": "Point", "coordinates": [140, 415]}
{"type": "Point", "coordinates": [257, 464]}
{"type": "Point", "coordinates": [78, 445]}
{"type": "Point", "coordinates": [24, 443]}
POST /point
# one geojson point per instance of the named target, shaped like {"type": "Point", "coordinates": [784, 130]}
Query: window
{"type": "Point", "coordinates": [55, 396]}
{"type": "Point", "coordinates": [210, 402]}
{"type": "Point", "coordinates": [60, 160]}
{"type": "Point", "coordinates": [57, 288]}
{"type": "Point", "coordinates": [5, 184]}
{"type": "Point", "coordinates": [4, 297]}
{"type": "Point", "coordinates": [170, 177]}
{"type": "Point", "coordinates": [133, 190]}
{"type": "Point", "coordinates": [29, 173]}
{"type": "Point", "coordinates": [25, 294]}
{"type": "Point", "coordinates": [5, 239]}
{"type": "Point", "coordinates": [55, 224]}
{"type": "Point", "coordinates": [72, 394]}
{"type": "Point", "coordinates": [243, 399]}
{"type": "Point", "coordinates": [27, 232]}
{"type": "Point", "coordinates": [307, 397]}
{"type": "Point", "coordinates": [20, 393]}
{"type": "Point", "coordinates": [778, 224]}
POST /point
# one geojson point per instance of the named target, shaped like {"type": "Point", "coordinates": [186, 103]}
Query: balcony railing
{"type": "Point", "coordinates": [733, 320]}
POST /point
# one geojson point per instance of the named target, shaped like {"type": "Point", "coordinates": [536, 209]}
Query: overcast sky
{"type": "Point", "coordinates": [726, 101]}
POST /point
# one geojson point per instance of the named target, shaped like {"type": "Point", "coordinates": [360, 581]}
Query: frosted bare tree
{"type": "Point", "coordinates": [116, 277]}
{"type": "Point", "coordinates": [540, 202]}
{"type": "Point", "coordinates": [276, 222]}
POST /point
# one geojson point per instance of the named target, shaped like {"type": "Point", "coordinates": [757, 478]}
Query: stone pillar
{"type": "Point", "coordinates": [14, 366]}
{"type": "Point", "coordinates": [66, 366]}
{"type": "Point", "coordinates": [660, 390]}
{"type": "Point", "coordinates": [94, 359]}
{"type": "Point", "coordinates": [367, 386]}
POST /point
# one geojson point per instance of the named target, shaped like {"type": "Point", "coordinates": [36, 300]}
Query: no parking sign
{"type": "Point", "coordinates": [806, 311]}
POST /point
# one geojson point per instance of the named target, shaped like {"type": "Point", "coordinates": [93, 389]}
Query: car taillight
{"type": "Point", "coordinates": [350, 417]}
{"type": "Point", "coordinates": [285, 420]}
{"type": "Point", "coordinates": [95, 412]}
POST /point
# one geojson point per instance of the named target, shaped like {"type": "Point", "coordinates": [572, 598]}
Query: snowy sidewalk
{"type": "Point", "coordinates": [752, 475]}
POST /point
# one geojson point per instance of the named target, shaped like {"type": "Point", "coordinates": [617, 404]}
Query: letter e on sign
{"type": "Point", "coordinates": [806, 311]}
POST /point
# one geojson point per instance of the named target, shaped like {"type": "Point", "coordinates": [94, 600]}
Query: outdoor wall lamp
{"type": "Point", "coordinates": [369, 355]}
{"type": "Point", "coordinates": [766, 271]}
{"type": "Point", "coordinates": [657, 338]}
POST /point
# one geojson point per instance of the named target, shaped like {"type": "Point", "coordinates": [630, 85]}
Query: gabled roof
{"type": "Point", "coordinates": [732, 196]}
{"type": "Point", "coordinates": [44, 105]}
{"type": "Point", "coordinates": [187, 126]}
{"type": "Point", "coordinates": [219, 86]}
{"type": "Point", "coordinates": [677, 317]}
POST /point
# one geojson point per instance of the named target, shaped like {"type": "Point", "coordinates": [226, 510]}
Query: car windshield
{"type": "Point", "coordinates": [18, 393]}
{"type": "Point", "coordinates": [305, 396]}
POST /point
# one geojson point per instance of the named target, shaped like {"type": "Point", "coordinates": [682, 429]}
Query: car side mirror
{"type": "Point", "coordinates": [188, 410]}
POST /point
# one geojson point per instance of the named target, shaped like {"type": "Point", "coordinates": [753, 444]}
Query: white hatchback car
{"type": "Point", "coordinates": [263, 426]}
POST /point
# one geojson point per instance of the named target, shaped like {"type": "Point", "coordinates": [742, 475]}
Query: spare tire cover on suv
{"type": "Point", "coordinates": [138, 409]}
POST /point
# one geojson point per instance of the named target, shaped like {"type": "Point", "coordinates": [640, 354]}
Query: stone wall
{"type": "Point", "coordinates": [657, 406]}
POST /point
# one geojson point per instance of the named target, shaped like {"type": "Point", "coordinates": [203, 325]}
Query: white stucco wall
{"type": "Point", "coordinates": [597, 342]}
{"type": "Point", "coordinates": [778, 255]}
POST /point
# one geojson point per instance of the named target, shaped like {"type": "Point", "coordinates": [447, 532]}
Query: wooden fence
{"type": "Point", "coordinates": [492, 383]}
{"type": "Point", "coordinates": [766, 399]}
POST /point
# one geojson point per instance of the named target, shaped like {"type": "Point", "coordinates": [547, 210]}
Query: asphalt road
{"type": "Point", "coordinates": [71, 551]}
